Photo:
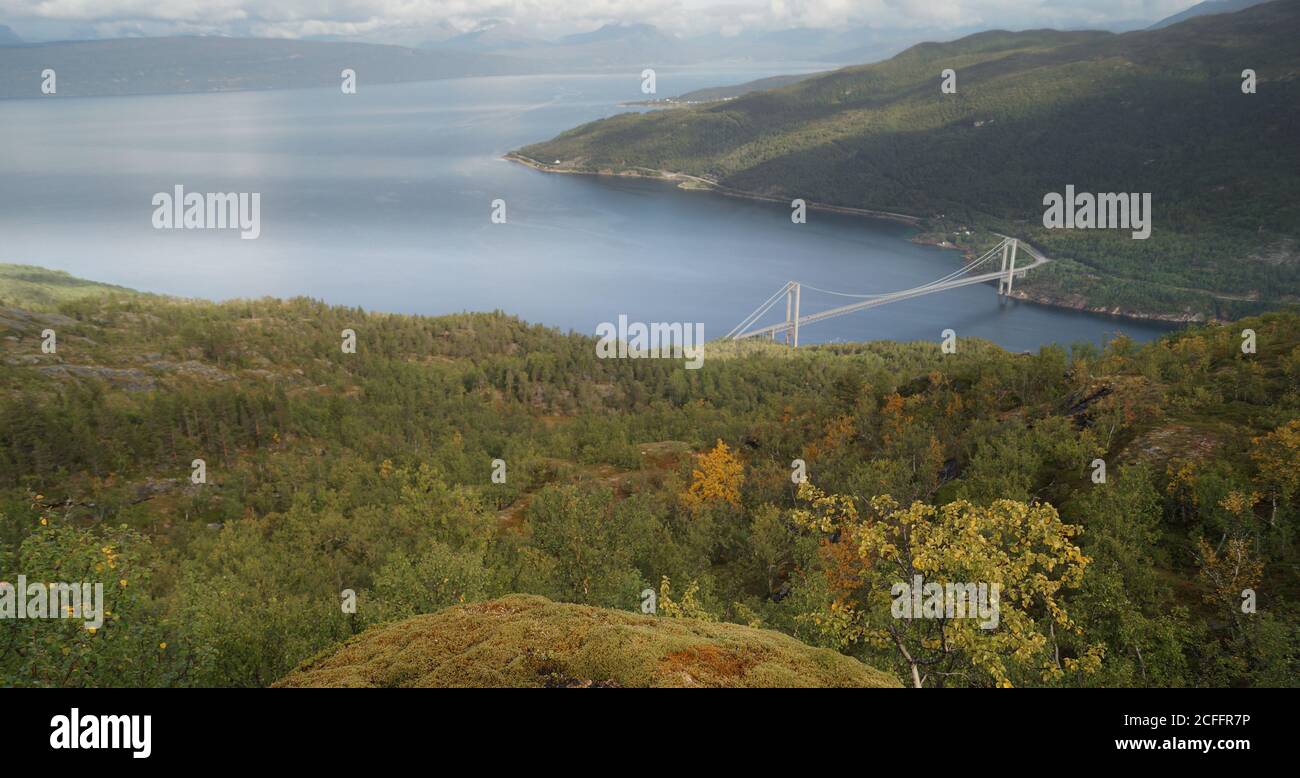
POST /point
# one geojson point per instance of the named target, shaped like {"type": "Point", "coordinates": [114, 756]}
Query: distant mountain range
{"type": "Point", "coordinates": [1159, 111]}
{"type": "Point", "coordinates": [495, 35]}
{"type": "Point", "coordinates": [613, 45]}
{"type": "Point", "coordinates": [149, 65]}
{"type": "Point", "coordinates": [126, 66]}
{"type": "Point", "coordinates": [644, 45]}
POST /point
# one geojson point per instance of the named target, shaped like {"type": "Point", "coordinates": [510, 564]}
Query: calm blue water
{"type": "Point", "coordinates": [382, 200]}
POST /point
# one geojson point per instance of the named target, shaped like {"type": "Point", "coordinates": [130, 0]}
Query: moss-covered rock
{"type": "Point", "coordinates": [524, 640]}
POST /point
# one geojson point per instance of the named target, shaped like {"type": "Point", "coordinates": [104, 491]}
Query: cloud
{"type": "Point", "coordinates": [394, 19]}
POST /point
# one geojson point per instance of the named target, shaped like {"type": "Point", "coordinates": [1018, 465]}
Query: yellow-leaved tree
{"type": "Point", "coordinates": [686, 608]}
{"type": "Point", "coordinates": [989, 604]}
{"type": "Point", "coordinates": [717, 477]}
{"type": "Point", "coordinates": [1277, 455]}
{"type": "Point", "coordinates": [1228, 573]}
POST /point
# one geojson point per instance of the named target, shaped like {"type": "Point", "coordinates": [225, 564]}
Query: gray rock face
{"type": "Point", "coordinates": [27, 321]}
{"type": "Point", "coordinates": [191, 368]}
{"type": "Point", "coordinates": [130, 379]}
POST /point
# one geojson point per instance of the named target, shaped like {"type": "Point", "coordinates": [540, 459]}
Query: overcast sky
{"type": "Point", "coordinates": [405, 21]}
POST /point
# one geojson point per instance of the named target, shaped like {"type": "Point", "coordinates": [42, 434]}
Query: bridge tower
{"type": "Point", "coordinates": [792, 305]}
{"type": "Point", "coordinates": [1009, 247]}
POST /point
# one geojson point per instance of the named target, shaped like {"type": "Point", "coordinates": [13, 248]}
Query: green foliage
{"type": "Point", "coordinates": [436, 578]}
{"type": "Point", "coordinates": [372, 473]}
{"type": "Point", "coordinates": [116, 638]}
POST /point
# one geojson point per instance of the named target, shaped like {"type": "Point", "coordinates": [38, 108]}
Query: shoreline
{"type": "Point", "coordinates": [703, 184]}
{"type": "Point", "coordinates": [685, 181]}
{"type": "Point", "coordinates": [1177, 320]}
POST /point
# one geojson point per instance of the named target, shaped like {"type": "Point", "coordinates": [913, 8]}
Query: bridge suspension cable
{"type": "Point", "coordinates": [966, 268]}
{"type": "Point", "coordinates": [759, 311]}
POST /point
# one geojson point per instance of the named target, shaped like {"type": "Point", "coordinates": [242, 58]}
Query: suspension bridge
{"type": "Point", "coordinates": [965, 276]}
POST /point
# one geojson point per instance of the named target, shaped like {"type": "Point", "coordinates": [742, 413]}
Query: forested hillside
{"type": "Point", "coordinates": [372, 472]}
{"type": "Point", "coordinates": [1160, 111]}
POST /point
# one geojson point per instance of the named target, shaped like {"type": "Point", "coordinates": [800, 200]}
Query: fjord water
{"type": "Point", "coordinates": [382, 200]}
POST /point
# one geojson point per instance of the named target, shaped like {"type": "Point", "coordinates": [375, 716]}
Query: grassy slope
{"type": "Point", "coordinates": [1152, 111]}
{"type": "Point", "coordinates": [35, 288]}
{"type": "Point", "coordinates": [522, 641]}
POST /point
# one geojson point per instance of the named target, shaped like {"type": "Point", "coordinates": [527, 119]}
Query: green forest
{"type": "Point", "coordinates": [372, 472]}
{"type": "Point", "coordinates": [1159, 111]}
